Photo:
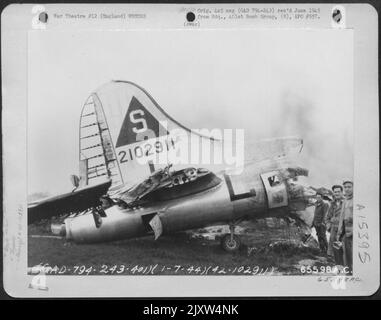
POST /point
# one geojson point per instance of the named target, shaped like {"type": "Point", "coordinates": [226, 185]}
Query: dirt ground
{"type": "Point", "coordinates": [268, 248]}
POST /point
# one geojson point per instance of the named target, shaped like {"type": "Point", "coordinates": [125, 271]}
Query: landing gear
{"type": "Point", "coordinates": [231, 242]}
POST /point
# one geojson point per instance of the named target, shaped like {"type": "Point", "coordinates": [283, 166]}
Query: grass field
{"type": "Point", "coordinates": [275, 250]}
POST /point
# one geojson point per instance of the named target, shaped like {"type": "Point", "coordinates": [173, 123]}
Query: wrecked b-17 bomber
{"type": "Point", "coordinates": [122, 193]}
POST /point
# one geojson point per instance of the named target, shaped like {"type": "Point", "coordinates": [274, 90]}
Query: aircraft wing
{"type": "Point", "coordinates": [75, 201]}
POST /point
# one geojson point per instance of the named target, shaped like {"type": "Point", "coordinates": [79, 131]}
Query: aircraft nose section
{"type": "Point", "coordinates": [300, 196]}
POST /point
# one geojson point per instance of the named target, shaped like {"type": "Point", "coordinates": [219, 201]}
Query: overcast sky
{"type": "Point", "coordinates": [269, 82]}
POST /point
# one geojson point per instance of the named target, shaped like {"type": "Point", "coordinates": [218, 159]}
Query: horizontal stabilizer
{"type": "Point", "coordinates": [75, 201]}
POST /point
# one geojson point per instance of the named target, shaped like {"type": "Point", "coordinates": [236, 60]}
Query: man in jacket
{"type": "Point", "coordinates": [345, 229]}
{"type": "Point", "coordinates": [318, 223]}
{"type": "Point", "coordinates": [332, 222]}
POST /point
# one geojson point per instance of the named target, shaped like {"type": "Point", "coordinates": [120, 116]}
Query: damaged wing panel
{"type": "Point", "coordinates": [166, 185]}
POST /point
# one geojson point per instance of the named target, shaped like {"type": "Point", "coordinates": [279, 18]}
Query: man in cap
{"type": "Point", "coordinates": [318, 223]}
{"type": "Point", "coordinates": [345, 229]}
{"type": "Point", "coordinates": [332, 222]}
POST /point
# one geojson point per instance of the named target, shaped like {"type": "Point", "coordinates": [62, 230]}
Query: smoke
{"type": "Point", "coordinates": [297, 117]}
{"type": "Point", "coordinates": [327, 146]}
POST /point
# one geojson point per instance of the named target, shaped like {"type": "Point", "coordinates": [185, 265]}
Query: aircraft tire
{"type": "Point", "coordinates": [230, 245]}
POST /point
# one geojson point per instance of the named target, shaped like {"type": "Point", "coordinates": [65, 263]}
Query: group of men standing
{"type": "Point", "coordinates": [337, 219]}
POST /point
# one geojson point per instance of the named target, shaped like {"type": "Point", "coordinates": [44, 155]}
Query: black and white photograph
{"type": "Point", "coordinates": [220, 144]}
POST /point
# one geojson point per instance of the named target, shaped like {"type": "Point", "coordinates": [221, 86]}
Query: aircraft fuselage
{"type": "Point", "coordinates": [252, 194]}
